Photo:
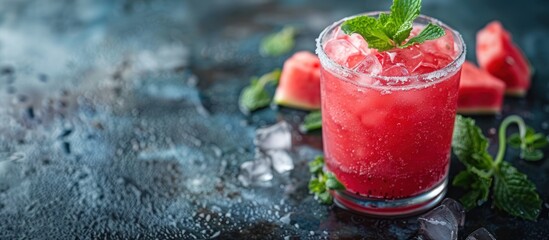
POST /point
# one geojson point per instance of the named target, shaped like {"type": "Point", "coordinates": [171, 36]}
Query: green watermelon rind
{"type": "Point", "coordinates": [307, 94]}
{"type": "Point", "coordinates": [516, 92]}
{"type": "Point", "coordinates": [479, 110]}
{"type": "Point", "coordinates": [282, 100]}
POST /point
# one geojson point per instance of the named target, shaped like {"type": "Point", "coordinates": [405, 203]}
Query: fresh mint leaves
{"type": "Point", "coordinates": [321, 182]}
{"type": "Point", "coordinates": [430, 32]}
{"type": "Point", "coordinates": [255, 96]}
{"type": "Point", "coordinates": [479, 188]}
{"type": "Point", "coordinates": [471, 146]}
{"type": "Point", "coordinates": [371, 30]}
{"type": "Point", "coordinates": [311, 122]}
{"type": "Point", "coordinates": [391, 30]}
{"type": "Point", "coordinates": [529, 144]}
{"type": "Point", "coordinates": [512, 191]}
{"type": "Point", "coordinates": [515, 194]}
{"type": "Point", "coordinates": [279, 43]}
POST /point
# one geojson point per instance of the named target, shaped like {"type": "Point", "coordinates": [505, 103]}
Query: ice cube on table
{"type": "Point", "coordinates": [442, 222]}
{"type": "Point", "coordinates": [457, 209]}
{"type": "Point", "coordinates": [480, 234]}
{"type": "Point", "coordinates": [281, 160]}
{"type": "Point", "coordinates": [272, 145]}
{"type": "Point", "coordinates": [343, 52]}
{"type": "Point", "coordinates": [256, 172]}
{"type": "Point", "coordinates": [278, 136]}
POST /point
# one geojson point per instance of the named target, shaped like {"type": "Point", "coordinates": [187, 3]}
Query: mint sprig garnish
{"type": "Point", "coordinates": [279, 43]}
{"type": "Point", "coordinates": [255, 96]}
{"type": "Point", "coordinates": [512, 191]}
{"type": "Point", "coordinates": [311, 122]}
{"type": "Point", "coordinates": [321, 182]}
{"type": "Point", "coordinates": [389, 31]}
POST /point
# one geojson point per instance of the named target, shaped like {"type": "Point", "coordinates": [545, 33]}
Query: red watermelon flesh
{"type": "Point", "coordinates": [299, 85]}
{"type": "Point", "coordinates": [498, 55]}
{"type": "Point", "coordinates": [479, 92]}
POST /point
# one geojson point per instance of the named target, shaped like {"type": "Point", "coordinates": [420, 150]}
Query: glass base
{"type": "Point", "coordinates": [391, 207]}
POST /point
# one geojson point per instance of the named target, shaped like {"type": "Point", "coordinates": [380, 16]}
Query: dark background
{"type": "Point", "coordinates": [119, 119]}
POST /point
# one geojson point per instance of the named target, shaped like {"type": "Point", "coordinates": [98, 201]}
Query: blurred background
{"type": "Point", "coordinates": [120, 119]}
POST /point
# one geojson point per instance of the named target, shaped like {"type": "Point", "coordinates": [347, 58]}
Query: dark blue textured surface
{"type": "Point", "coordinates": [119, 119]}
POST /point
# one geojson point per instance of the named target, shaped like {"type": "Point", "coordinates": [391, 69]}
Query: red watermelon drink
{"type": "Point", "coordinates": [388, 117]}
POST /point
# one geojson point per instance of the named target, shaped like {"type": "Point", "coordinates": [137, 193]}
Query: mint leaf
{"type": "Point", "coordinates": [403, 14]}
{"type": "Point", "coordinates": [312, 121]}
{"type": "Point", "coordinates": [371, 30]}
{"type": "Point", "coordinates": [332, 183]}
{"type": "Point", "coordinates": [430, 32]}
{"type": "Point", "coordinates": [531, 155]}
{"type": "Point", "coordinates": [470, 145]}
{"type": "Point", "coordinates": [321, 183]}
{"type": "Point", "coordinates": [387, 23]}
{"type": "Point", "coordinates": [391, 30]}
{"type": "Point", "coordinates": [316, 165]}
{"type": "Point", "coordinates": [325, 197]}
{"type": "Point", "coordinates": [515, 140]}
{"type": "Point", "coordinates": [529, 144]}
{"type": "Point", "coordinates": [515, 194]}
{"type": "Point", "coordinates": [255, 96]}
{"type": "Point", "coordinates": [316, 186]}
{"type": "Point", "coordinates": [279, 43]}
{"type": "Point", "coordinates": [405, 11]}
{"type": "Point", "coordinates": [479, 188]}
{"type": "Point", "coordinates": [463, 179]}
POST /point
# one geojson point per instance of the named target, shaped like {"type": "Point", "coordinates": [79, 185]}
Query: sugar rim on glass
{"type": "Point", "coordinates": [427, 79]}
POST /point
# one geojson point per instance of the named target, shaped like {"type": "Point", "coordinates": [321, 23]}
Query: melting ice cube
{"type": "Point", "coordinates": [396, 70]}
{"type": "Point", "coordinates": [442, 222]}
{"type": "Point", "coordinates": [281, 160]}
{"type": "Point", "coordinates": [278, 136]}
{"type": "Point", "coordinates": [432, 62]}
{"type": "Point", "coordinates": [343, 52]}
{"type": "Point", "coordinates": [358, 41]}
{"type": "Point", "coordinates": [457, 209]}
{"type": "Point", "coordinates": [256, 172]}
{"type": "Point", "coordinates": [370, 65]}
{"type": "Point", "coordinates": [272, 152]}
{"type": "Point", "coordinates": [411, 57]}
{"type": "Point", "coordinates": [480, 234]}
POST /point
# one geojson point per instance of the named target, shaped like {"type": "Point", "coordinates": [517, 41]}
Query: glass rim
{"type": "Point", "coordinates": [426, 78]}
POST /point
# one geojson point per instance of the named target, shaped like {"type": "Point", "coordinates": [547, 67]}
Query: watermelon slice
{"type": "Point", "coordinates": [498, 55]}
{"type": "Point", "coordinates": [479, 92]}
{"type": "Point", "coordinates": [299, 85]}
